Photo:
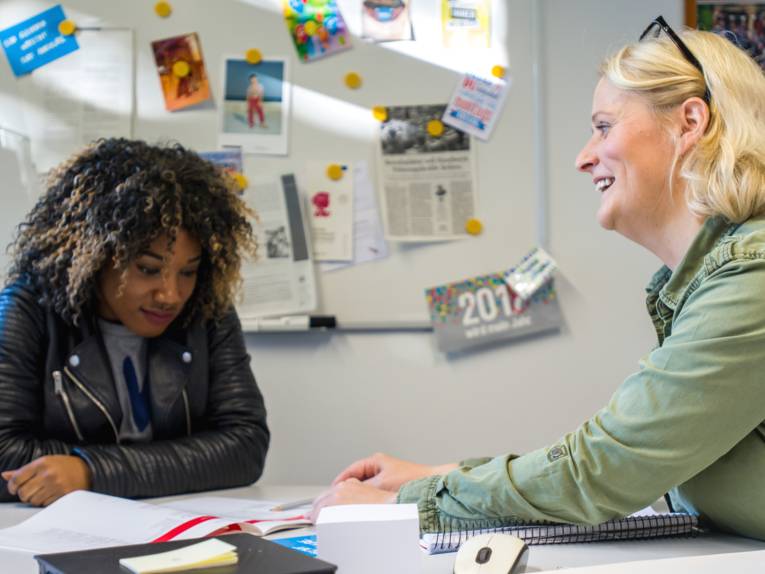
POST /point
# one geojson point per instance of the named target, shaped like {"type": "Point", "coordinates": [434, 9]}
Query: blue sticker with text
{"type": "Point", "coordinates": [36, 41]}
{"type": "Point", "coordinates": [304, 544]}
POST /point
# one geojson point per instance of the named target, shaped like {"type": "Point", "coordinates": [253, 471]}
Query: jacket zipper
{"type": "Point", "coordinates": [58, 387]}
{"type": "Point", "coordinates": [96, 402]}
{"type": "Point", "coordinates": [188, 414]}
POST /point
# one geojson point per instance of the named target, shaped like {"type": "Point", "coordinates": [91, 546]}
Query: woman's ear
{"type": "Point", "coordinates": [694, 119]}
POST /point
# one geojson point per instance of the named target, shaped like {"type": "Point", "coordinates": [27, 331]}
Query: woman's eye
{"type": "Point", "coordinates": [603, 128]}
{"type": "Point", "coordinates": [189, 273]}
{"type": "Point", "coordinates": [148, 270]}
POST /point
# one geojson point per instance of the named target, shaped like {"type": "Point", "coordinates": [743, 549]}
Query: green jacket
{"type": "Point", "coordinates": [690, 422]}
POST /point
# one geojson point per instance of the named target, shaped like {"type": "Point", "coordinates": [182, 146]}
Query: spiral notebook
{"type": "Point", "coordinates": [644, 524]}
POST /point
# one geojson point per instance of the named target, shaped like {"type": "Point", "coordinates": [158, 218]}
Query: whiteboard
{"type": "Point", "coordinates": [334, 124]}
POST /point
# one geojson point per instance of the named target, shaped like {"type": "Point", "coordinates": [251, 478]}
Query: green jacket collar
{"type": "Point", "coordinates": [670, 285]}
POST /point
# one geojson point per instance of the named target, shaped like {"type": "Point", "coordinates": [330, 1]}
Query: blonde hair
{"type": "Point", "coordinates": [725, 171]}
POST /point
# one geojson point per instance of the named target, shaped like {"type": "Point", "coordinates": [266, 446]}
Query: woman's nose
{"type": "Point", "coordinates": [586, 159]}
{"type": "Point", "coordinates": [168, 294]}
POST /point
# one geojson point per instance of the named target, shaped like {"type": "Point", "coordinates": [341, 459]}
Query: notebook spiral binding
{"type": "Point", "coordinates": [629, 528]}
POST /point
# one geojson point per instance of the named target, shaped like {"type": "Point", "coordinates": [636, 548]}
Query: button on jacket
{"type": "Point", "coordinates": [690, 421]}
{"type": "Point", "coordinates": [57, 396]}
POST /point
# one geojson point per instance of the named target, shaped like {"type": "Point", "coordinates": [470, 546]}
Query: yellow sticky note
{"type": "Point", "coordinates": [181, 68]}
{"type": "Point", "coordinates": [353, 80]}
{"type": "Point", "coordinates": [334, 171]}
{"type": "Point", "coordinates": [380, 113]}
{"type": "Point", "coordinates": [163, 9]}
{"type": "Point", "coordinates": [66, 27]}
{"type": "Point", "coordinates": [435, 127]}
{"type": "Point", "coordinates": [253, 56]}
{"type": "Point", "coordinates": [207, 554]}
{"type": "Point", "coordinates": [474, 226]}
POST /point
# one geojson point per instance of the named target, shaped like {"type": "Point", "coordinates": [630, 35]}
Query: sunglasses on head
{"type": "Point", "coordinates": [659, 25]}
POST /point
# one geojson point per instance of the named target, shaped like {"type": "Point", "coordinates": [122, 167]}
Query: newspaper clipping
{"type": "Point", "coordinates": [427, 175]}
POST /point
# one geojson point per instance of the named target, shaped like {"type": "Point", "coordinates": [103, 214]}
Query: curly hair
{"type": "Point", "coordinates": [106, 204]}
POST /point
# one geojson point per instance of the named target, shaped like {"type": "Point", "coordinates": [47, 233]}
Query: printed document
{"type": "Point", "coordinates": [427, 175]}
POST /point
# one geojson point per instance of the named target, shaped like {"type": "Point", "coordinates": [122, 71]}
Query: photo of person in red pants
{"type": "Point", "coordinates": [255, 93]}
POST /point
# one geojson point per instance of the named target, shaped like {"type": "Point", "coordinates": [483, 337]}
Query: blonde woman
{"type": "Point", "coordinates": [677, 155]}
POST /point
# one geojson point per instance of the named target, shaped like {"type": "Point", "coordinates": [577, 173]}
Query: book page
{"type": "Point", "coordinates": [257, 514]}
{"type": "Point", "coordinates": [83, 520]}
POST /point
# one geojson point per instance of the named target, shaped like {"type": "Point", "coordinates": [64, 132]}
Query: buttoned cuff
{"type": "Point", "coordinates": [423, 492]}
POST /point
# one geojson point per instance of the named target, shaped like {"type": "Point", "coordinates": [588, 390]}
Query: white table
{"type": "Point", "coordinates": [541, 558]}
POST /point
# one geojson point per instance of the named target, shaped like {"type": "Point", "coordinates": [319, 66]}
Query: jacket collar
{"type": "Point", "coordinates": [169, 360]}
{"type": "Point", "coordinates": [669, 285]}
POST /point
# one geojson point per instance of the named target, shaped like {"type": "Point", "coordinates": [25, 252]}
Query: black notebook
{"type": "Point", "coordinates": [637, 526]}
{"type": "Point", "coordinates": [255, 554]}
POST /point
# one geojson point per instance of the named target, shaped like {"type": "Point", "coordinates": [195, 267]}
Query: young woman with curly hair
{"type": "Point", "coordinates": [123, 368]}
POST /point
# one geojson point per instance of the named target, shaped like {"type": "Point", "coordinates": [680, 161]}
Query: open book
{"type": "Point", "coordinates": [644, 524]}
{"type": "Point", "coordinates": [83, 520]}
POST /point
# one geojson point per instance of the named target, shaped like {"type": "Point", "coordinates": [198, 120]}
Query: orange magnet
{"type": "Point", "coordinates": [181, 69]}
{"type": "Point", "coordinates": [253, 56]}
{"type": "Point", "coordinates": [435, 128]}
{"type": "Point", "coordinates": [66, 27]}
{"type": "Point", "coordinates": [163, 9]}
{"type": "Point", "coordinates": [380, 113]}
{"type": "Point", "coordinates": [334, 171]}
{"type": "Point", "coordinates": [353, 80]}
{"type": "Point", "coordinates": [498, 72]}
{"type": "Point", "coordinates": [474, 226]}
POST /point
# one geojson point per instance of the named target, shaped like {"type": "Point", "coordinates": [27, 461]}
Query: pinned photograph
{"type": "Point", "coordinates": [317, 28]}
{"type": "Point", "coordinates": [743, 23]}
{"type": "Point", "coordinates": [255, 106]}
{"type": "Point", "coordinates": [386, 20]}
{"type": "Point", "coordinates": [182, 72]}
{"type": "Point", "coordinates": [466, 23]}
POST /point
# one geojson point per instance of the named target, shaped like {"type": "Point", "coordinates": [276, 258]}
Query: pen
{"type": "Point", "coordinates": [292, 323]}
{"type": "Point", "coordinates": [293, 504]}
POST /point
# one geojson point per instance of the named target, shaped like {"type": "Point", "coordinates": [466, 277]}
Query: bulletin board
{"type": "Point", "coordinates": [331, 123]}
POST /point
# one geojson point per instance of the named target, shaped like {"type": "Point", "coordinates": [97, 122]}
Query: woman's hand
{"type": "Point", "coordinates": [388, 473]}
{"type": "Point", "coordinates": [48, 478]}
{"type": "Point", "coordinates": [351, 491]}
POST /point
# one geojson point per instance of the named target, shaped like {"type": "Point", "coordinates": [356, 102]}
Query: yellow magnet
{"type": "Point", "coordinates": [353, 80]}
{"type": "Point", "coordinates": [240, 179]}
{"type": "Point", "coordinates": [253, 56]}
{"type": "Point", "coordinates": [181, 68]}
{"type": "Point", "coordinates": [380, 113]}
{"type": "Point", "coordinates": [66, 27]}
{"type": "Point", "coordinates": [498, 72]}
{"type": "Point", "coordinates": [334, 171]}
{"type": "Point", "coordinates": [310, 27]}
{"type": "Point", "coordinates": [474, 226]}
{"type": "Point", "coordinates": [163, 9]}
{"type": "Point", "coordinates": [435, 128]}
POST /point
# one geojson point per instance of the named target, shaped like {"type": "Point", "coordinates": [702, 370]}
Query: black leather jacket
{"type": "Point", "coordinates": [57, 396]}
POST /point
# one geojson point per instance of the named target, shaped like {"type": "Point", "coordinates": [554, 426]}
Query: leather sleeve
{"type": "Point", "coordinates": [230, 452]}
{"type": "Point", "coordinates": [23, 341]}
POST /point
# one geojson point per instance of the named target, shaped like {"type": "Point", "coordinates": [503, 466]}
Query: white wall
{"type": "Point", "coordinates": [335, 397]}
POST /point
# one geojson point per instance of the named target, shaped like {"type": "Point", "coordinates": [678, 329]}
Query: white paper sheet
{"type": "Point", "coordinates": [282, 280]}
{"type": "Point", "coordinates": [330, 212]}
{"type": "Point", "coordinates": [236, 508]}
{"type": "Point", "coordinates": [368, 236]}
{"type": "Point", "coordinates": [83, 520]}
{"type": "Point", "coordinates": [427, 182]}
{"type": "Point", "coordinates": [79, 98]}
